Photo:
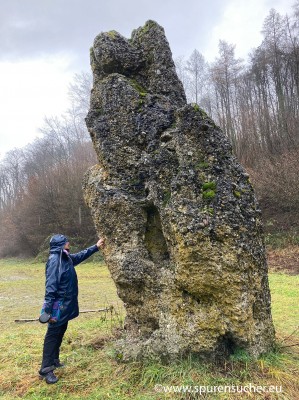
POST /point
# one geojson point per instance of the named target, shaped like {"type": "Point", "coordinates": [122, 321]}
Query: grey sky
{"type": "Point", "coordinates": [32, 28]}
{"type": "Point", "coordinates": [44, 42]}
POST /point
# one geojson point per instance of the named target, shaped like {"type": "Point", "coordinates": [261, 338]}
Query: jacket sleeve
{"type": "Point", "coordinates": [77, 258]}
{"type": "Point", "coordinates": [52, 282]}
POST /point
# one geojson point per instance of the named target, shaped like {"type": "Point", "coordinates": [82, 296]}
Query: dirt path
{"type": "Point", "coordinates": [284, 260]}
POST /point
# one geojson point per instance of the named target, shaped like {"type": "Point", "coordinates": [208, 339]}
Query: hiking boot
{"type": "Point", "coordinates": [58, 364]}
{"type": "Point", "coordinates": [49, 377]}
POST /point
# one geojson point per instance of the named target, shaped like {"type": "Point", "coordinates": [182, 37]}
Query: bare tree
{"type": "Point", "coordinates": [197, 72]}
{"type": "Point", "coordinates": [180, 66]}
{"type": "Point", "coordinates": [225, 74]}
{"type": "Point", "coordinates": [41, 184]}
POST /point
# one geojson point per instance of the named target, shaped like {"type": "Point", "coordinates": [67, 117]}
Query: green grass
{"type": "Point", "coordinates": [285, 296]}
{"type": "Point", "coordinates": [279, 240]}
{"type": "Point", "coordinates": [93, 373]}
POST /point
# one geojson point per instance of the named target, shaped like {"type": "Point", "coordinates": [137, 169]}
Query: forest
{"type": "Point", "coordinates": [254, 101]}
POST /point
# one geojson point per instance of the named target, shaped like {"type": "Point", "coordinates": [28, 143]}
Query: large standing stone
{"type": "Point", "coordinates": [183, 230]}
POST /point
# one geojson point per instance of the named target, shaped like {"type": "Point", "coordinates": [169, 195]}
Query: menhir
{"type": "Point", "coordinates": [183, 230]}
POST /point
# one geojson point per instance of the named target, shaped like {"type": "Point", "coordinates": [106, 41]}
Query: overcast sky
{"type": "Point", "coordinates": [43, 43]}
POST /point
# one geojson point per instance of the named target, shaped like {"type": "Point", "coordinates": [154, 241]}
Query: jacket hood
{"type": "Point", "coordinates": [57, 243]}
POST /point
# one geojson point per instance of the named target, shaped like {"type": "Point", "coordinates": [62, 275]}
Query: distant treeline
{"type": "Point", "coordinates": [41, 184]}
{"type": "Point", "coordinates": [255, 103]}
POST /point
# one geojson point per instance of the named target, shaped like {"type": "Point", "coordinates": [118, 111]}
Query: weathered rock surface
{"type": "Point", "coordinates": [183, 230]}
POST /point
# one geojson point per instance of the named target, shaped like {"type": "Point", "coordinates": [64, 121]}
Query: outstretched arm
{"type": "Point", "coordinates": [77, 258]}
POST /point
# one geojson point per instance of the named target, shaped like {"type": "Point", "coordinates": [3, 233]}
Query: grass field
{"type": "Point", "coordinates": [91, 371]}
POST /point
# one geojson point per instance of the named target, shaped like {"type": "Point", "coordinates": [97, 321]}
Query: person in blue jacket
{"type": "Point", "coordinates": [61, 285]}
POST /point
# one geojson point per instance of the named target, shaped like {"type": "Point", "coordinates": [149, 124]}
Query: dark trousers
{"type": "Point", "coordinates": [52, 344]}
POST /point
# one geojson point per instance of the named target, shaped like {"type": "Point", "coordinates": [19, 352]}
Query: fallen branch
{"type": "Point", "coordinates": [101, 309]}
{"type": "Point", "coordinates": [288, 337]}
{"type": "Point", "coordinates": [290, 345]}
{"type": "Point", "coordinates": [81, 312]}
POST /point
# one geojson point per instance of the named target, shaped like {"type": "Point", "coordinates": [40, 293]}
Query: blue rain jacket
{"type": "Point", "coordinates": [61, 278]}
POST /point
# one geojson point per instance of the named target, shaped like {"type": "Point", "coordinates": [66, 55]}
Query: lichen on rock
{"type": "Point", "coordinates": [184, 240]}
